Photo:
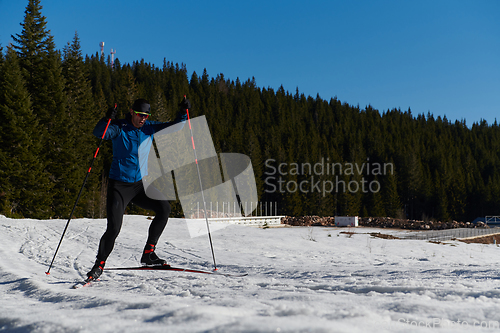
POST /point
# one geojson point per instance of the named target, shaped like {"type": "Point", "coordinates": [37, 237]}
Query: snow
{"type": "Point", "coordinates": [300, 279]}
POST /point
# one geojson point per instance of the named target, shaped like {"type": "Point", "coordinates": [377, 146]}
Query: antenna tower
{"type": "Point", "coordinates": [101, 44]}
{"type": "Point", "coordinates": [113, 58]}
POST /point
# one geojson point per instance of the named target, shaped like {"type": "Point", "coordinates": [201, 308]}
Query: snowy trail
{"type": "Point", "coordinates": [300, 280]}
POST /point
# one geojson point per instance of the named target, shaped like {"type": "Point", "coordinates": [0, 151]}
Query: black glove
{"type": "Point", "coordinates": [185, 104]}
{"type": "Point", "coordinates": [112, 113]}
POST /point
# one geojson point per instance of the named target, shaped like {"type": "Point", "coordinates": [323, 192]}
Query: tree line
{"type": "Point", "coordinates": [310, 156]}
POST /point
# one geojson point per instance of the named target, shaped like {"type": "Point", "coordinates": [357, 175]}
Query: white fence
{"type": "Point", "coordinates": [232, 213]}
{"type": "Point", "coordinates": [449, 234]}
{"type": "Point", "coordinates": [492, 220]}
{"type": "Point", "coordinates": [256, 221]}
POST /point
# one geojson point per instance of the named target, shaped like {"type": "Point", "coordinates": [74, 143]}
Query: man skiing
{"type": "Point", "coordinates": [125, 178]}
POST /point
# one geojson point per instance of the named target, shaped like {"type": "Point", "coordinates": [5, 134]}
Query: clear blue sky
{"type": "Point", "coordinates": [437, 56]}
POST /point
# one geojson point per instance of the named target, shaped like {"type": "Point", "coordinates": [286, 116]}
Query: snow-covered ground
{"type": "Point", "coordinates": [299, 279]}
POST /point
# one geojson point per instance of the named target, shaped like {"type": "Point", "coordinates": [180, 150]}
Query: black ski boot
{"type": "Point", "coordinates": [96, 270]}
{"type": "Point", "coordinates": [149, 257]}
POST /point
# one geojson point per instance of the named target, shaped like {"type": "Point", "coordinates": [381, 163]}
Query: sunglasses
{"type": "Point", "coordinates": [141, 114]}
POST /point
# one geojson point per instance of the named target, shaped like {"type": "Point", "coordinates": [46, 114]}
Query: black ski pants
{"type": "Point", "coordinates": [120, 194]}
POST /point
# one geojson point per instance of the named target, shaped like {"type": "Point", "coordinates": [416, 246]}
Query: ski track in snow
{"type": "Point", "coordinates": [300, 280]}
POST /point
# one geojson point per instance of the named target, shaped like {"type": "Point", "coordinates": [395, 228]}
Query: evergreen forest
{"type": "Point", "coordinates": [310, 156]}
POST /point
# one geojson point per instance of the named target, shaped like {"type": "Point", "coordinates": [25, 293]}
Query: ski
{"type": "Point", "coordinates": [170, 268]}
{"type": "Point", "coordinates": [84, 283]}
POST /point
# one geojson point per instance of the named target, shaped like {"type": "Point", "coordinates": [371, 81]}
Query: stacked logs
{"type": "Point", "coordinates": [308, 221]}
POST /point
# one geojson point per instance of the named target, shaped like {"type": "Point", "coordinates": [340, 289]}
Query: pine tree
{"type": "Point", "coordinates": [24, 183]}
{"type": "Point", "coordinates": [377, 202]}
{"type": "Point", "coordinates": [34, 45]}
{"type": "Point", "coordinates": [390, 194]}
{"type": "Point", "coordinates": [441, 199]}
{"type": "Point", "coordinates": [158, 105]}
{"type": "Point", "coordinates": [128, 91]}
{"type": "Point", "coordinates": [80, 121]}
{"type": "Point", "coordinates": [41, 67]}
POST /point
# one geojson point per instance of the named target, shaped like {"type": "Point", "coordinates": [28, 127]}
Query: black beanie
{"type": "Point", "coordinates": [141, 105]}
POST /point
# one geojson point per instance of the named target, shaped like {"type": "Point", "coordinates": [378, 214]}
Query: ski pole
{"type": "Point", "coordinates": [201, 188]}
{"type": "Point", "coordinates": [79, 194]}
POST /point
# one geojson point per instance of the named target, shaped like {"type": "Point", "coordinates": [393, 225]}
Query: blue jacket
{"type": "Point", "coordinates": [126, 139]}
